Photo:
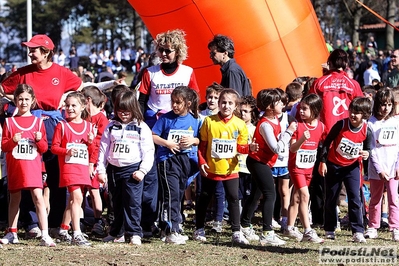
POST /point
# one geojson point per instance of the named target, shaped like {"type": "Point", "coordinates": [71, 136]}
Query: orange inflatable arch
{"type": "Point", "coordinates": [275, 41]}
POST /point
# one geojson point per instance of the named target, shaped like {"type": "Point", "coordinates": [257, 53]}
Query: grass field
{"type": "Point", "coordinates": [218, 250]}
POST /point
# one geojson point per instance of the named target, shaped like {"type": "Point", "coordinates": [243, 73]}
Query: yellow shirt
{"type": "Point", "coordinates": [222, 139]}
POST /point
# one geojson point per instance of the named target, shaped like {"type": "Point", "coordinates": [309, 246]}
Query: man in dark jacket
{"type": "Point", "coordinates": [221, 50]}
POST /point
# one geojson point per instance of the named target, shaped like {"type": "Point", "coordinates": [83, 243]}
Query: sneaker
{"type": "Point", "coordinates": [270, 238]}
{"type": "Point", "coordinates": [275, 224]}
{"type": "Point", "coordinates": [10, 238]}
{"type": "Point", "coordinates": [395, 234]}
{"type": "Point", "coordinates": [199, 235]}
{"type": "Point", "coordinates": [384, 223]}
{"type": "Point", "coordinates": [338, 228]}
{"type": "Point", "coordinates": [98, 229]}
{"type": "Point", "coordinates": [312, 236]}
{"type": "Point", "coordinates": [358, 238]}
{"type": "Point", "coordinates": [293, 233]}
{"type": "Point", "coordinates": [64, 237]}
{"type": "Point", "coordinates": [47, 242]}
{"type": "Point", "coordinates": [217, 227]}
{"type": "Point", "coordinates": [249, 233]}
{"type": "Point", "coordinates": [163, 236]}
{"type": "Point", "coordinates": [239, 238]}
{"type": "Point", "coordinates": [114, 239]}
{"type": "Point", "coordinates": [135, 240]}
{"type": "Point", "coordinates": [184, 237]}
{"type": "Point", "coordinates": [80, 240]}
{"type": "Point", "coordinates": [35, 232]}
{"type": "Point", "coordinates": [371, 233]}
{"type": "Point", "coordinates": [175, 238]}
{"type": "Point", "coordinates": [330, 235]}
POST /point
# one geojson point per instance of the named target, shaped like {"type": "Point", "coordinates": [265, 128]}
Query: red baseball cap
{"type": "Point", "coordinates": [40, 40]}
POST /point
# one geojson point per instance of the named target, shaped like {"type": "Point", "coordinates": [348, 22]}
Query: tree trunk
{"type": "Point", "coordinates": [391, 12]}
{"type": "Point", "coordinates": [357, 15]}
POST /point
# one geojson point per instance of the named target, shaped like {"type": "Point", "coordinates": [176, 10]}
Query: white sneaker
{"type": "Point", "coordinates": [199, 235]}
{"type": "Point", "coordinates": [371, 233]}
{"type": "Point", "coordinates": [271, 238]}
{"type": "Point", "coordinates": [35, 232]}
{"type": "Point", "coordinates": [175, 238]}
{"type": "Point", "coordinates": [239, 238]}
{"type": "Point", "coordinates": [249, 233]}
{"type": "Point", "coordinates": [217, 227]}
{"type": "Point", "coordinates": [293, 233]}
{"type": "Point", "coordinates": [10, 238]}
{"type": "Point", "coordinates": [275, 224]}
{"type": "Point", "coordinates": [312, 236]}
{"type": "Point", "coordinates": [395, 234]}
{"type": "Point", "coordinates": [47, 242]}
{"type": "Point", "coordinates": [358, 238]}
{"type": "Point", "coordinates": [184, 237]}
{"type": "Point", "coordinates": [114, 239]}
{"type": "Point", "coordinates": [330, 235]}
{"type": "Point", "coordinates": [135, 240]}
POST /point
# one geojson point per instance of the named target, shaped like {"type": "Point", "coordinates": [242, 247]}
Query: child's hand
{"type": "Point", "coordinates": [364, 154]}
{"type": "Point", "coordinates": [72, 152]}
{"type": "Point", "coordinates": [384, 176]}
{"type": "Point", "coordinates": [102, 178]}
{"type": "Point", "coordinates": [203, 168]}
{"type": "Point", "coordinates": [186, 142]}
{"type": "Point", "coordinates": [322, 169]}
{"type": "Point", "coordinates": [293, 126]}
{"type": "Point", "coordinates": [38, 135]}
{"type": "Point", "coordinates": [306, 135]}
{"type": "Point", "coordinates": [17, 137]}
{"type": "Point", "coordinates": [90, 137]}
{"type": "Point", "coordinates": [173, 146]}
{"type": "Point", "coordinates": [92, 170]}
{"type": "Point", "coordinates": [138, 175]}
{"type": "Point", "coordinates": [397, 174]}
{"type": "Point", "coordinates": [254, 147]}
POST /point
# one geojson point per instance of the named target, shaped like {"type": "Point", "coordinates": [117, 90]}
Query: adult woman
{"type": "Point", "coordinates": [156, 86]}
{"type": "Point", "coordinates": [159, 81]}
{"type": "Point", "coordinates": [50, 82]}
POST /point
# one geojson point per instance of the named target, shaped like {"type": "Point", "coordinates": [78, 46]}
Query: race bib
{"type": "Point", "coordinates": [176, 134]}
{"type": "Point", "coordinates": [25, 150]}
{"type": "Point", "coordinates": [81, 157]}
{"type": "Point", "coordinates": [349, 149]}
{"type": "Point", "coordinates": [388, 136]}
{"type": "Point", "coordinates": [224, 148]}
{"type": "Point", "coordinates": [305, 159]}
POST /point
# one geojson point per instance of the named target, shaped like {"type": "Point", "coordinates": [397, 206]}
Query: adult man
{"type": "Point", "coordinates": [393, 76]}
{"type": "Point", "coordinates": [221, 50]}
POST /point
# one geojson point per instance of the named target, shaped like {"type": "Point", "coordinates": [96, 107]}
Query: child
{"type": "Point", "coordinates": [70, 142]}
{"type": "Point", "coordinates": [95, 102]}
{"type": "Point", "coordinates": [384, 163]}
{"type": "Point", "coordinates": [212, 98]}
{"type": "Point", "coordinates": [24, 140]}
{"type": "Point", "coordinates": [222, 136]}
{"type": "Point", "coordinates": [249, 114]}
{"type": "Point", "coordinates": [302, 157]}
{"type": "Point", "coordinates": [280, 170]}
{"type": "Point", "coordinates": [176, 132]}
{"type": "Point", "coordinates": [347, 143]}
{"type": "Point", "coordinates": [260, 163]}
{"type": "Point", "coordinates": [126, 155]}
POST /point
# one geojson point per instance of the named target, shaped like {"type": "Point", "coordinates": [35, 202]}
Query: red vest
{"type": "Point", "coordinates": [345, 149]}
{"type": "Point", "coordinates": [265, 154]}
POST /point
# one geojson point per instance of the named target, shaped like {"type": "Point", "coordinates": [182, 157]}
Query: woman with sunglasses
{"type": "Point", "coordinates": [155, 88]}
{"type": "Point", "coordinates": [159, 81]}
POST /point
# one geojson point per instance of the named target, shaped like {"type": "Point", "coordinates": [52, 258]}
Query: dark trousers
{"type": "Point", "coordinates": [263, 184]}
{"type": "Point", "coordinates": [150, 199]}
{"type": "Point", "coordinates": [316, 193]}
{"type": "Point", "coordinates": [350, 176]}
{"type": "Point", "coordinates": [208, 190]}
{"type": "Point", "coordinates": [58, 196]}
{"type": "Point", "coordinates": [127, 195]}
{"type": "Point", "coordinates": [172, 174]}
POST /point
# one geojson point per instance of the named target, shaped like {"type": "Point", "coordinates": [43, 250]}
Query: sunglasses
{"type": "Point", "coordinates": [161, 50]}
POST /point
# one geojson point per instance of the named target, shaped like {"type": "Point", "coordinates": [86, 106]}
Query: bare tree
{"type": "Point", "coordinates": [391, 14]}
